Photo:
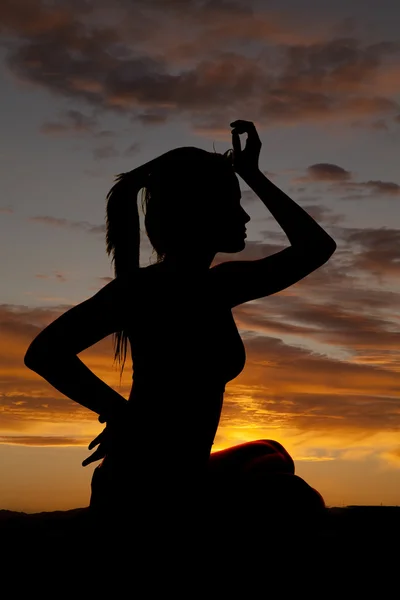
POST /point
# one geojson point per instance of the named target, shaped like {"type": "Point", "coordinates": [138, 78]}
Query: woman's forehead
{"type": "Point", "coordinates": [229, 180]}
{"type": "Point", "coordinates": [232, 184]}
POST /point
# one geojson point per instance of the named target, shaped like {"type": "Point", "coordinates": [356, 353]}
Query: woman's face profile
{"type": "Point", "coordinates": [213, 220]}
{"type": "Point", "coordinates": [228, 218]}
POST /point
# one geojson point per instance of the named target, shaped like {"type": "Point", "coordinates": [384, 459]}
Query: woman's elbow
{"type": "Point", "coordinates": [34, 356]}
{"type": "Point", "coordinates": [30, 358]}
{"type": "Point", "coordinates": [327, 248]}
{"type": "Point", "coordinates": [319, 252]}
{"type": "Point", "coordinates": [331, 247]}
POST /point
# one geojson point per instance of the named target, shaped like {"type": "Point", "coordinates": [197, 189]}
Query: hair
{"type": "Point", "coordinates": [168, 183]}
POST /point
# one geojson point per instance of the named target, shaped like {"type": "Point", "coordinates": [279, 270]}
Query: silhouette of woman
{"type": "Point", "coordinates": [185, 347]}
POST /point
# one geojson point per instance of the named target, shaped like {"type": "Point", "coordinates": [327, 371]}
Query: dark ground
{"type": "Point", "coordinates": [336, 523]}
{"type": "Point", "coordinates": [357, 546]}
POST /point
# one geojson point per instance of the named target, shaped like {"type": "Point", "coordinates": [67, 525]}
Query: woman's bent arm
{"type": "Point", "coordinates": [70, 376]}
{"type": "Point", "coordinates": [53, 353]}
{"type": "Point", "coordinates": [300, 228]}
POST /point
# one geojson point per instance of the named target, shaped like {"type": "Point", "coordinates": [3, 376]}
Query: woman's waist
{"type": "Point", "coordinates": [149, 417]}
{"type": "Point", "coordinates": [172, 410]}
{"type": "Point", "coordinates": [160, 449]}
{"type": "Point", "coordinates": [209, 390]}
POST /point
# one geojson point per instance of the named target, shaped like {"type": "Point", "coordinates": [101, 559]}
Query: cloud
{"type": "Point", "coordinates": [300, 316]}
{"type": "Point", "coordinates": [68, 223]}
{"type": "Point", "coordinates": [32, 17]}
{"type": "Point", "coordinates": [370, 251]}
{"type": "Point", "coordinates": [97, 172]}
{"type": "Point", "coordinates": [105, 133]}
{"type": "Point", "coordinates": [28, 403]}
{"type": "Point", "coordinates": [382, 187]}
{"type": "Point", "coordinates": [373, 188]}
{"type": "Point", "coordinates": [341, 180]}
{"type": "Point", "coordinates": [71, 121]}
{"type": "Point", "coordinates": [326, 172]}
{"type": "Point", "coordinates": [331, 80]}
{"type": "Point", "coordinates": [7, 210]}
{"type": "Point", "coordinates": [333, 307]}
{"type": "Point", "coordinates": [380, 125]}
{"type": "Point", "coordinates": [151, 118]}
{"type": "Point", "coordinates": [85, 53]}
{"type": "Point", "coordinates": [106, 151]}
{"type": "Point", "coordinates": [379, 253]}
{"type": "Point", "coordinates": [396, 453]}
{"type": "Point", "coordinates": [132, 150]}
{"type": "Point", "coordinates": [323, 214]}
{"type": "Point", "coordinates": [60, 277]}
{"type": "Point", "coordinates": [292, 387]}
{"type": "Point", "coordinates": [339, 65]}
{"type": "Point", "coordinates": [35, 440]}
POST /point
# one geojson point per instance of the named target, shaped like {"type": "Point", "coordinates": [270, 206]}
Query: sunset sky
{"type": "Point", "coordinates": [90, 89]}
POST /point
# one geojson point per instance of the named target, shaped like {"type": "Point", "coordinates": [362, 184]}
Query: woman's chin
{"type": "Point", "coordinates": [233, 246]}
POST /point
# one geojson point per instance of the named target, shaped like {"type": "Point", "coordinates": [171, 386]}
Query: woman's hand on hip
{"type": "Point", "coordinates": [115, 434]}
{"type": "Point", "coordinates": [103, 443]}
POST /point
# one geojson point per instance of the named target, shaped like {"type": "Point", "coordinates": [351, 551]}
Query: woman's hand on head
{"type": "Point", "coordinates": [245, 161]}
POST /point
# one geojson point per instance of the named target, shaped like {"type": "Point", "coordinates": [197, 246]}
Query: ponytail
{"type": "Point", "coordinates": [122, 223]}
{"type": "Point", "coordinates": [123, 238]}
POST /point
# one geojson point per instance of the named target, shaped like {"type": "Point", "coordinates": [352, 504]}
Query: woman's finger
{"type": "Point", "coordinates": [94, 442]}
{"type": "Point", "coordinates": [97, 440]}
{"type": "Point", "coordinates": [247, 127]}
{"type": "Point", "coordinates": [97, 455]}
{"type": "Point", "coordinates": [243, 125]}
{"type": "Point", "coordinates": [237, 148]}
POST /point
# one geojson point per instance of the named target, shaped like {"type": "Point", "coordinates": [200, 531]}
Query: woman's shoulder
{"type": "Point", "coordinates": [149, 282]}
{"type": "Point", "coordinates": [135, 283]}
{"type": "Point", "coordinates": [124, 287]}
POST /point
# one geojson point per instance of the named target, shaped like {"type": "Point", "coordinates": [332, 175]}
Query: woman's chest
{"type": "Point", "coordinates": [187, 327]}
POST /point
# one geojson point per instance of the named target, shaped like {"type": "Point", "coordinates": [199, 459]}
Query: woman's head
{"type": "Point", "coordinates": [191, 202]}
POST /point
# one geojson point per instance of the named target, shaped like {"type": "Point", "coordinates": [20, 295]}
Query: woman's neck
{"type": "Point", "coordinates": [192, 264]}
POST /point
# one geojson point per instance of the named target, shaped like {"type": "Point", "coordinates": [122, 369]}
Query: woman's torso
{"type": "Point", "coordinates": [185, 347]}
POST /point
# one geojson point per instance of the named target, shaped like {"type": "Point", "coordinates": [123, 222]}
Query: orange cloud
{"type": "Point", "coordinates": [379, 250]}
{"type": "Point", "coordinates": [341, 180]}
{"type": "Point", "coordinates": [40, 441]}
{"type": "Point", "coordinates": [33, 17]}
{"type": "Point", "coordinates": [325, 172]}
{"type": "Point", "coordinates": [28, 404]}
{"type": "Point", "coordinates": [56, 275]}
{"type": "Point", "coordinates": [302, 76]}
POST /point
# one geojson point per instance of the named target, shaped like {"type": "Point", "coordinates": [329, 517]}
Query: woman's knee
{"type": "Point", "coordinates": [257, 457]}
{"type": "Point", "coordinates": [273, 448]}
